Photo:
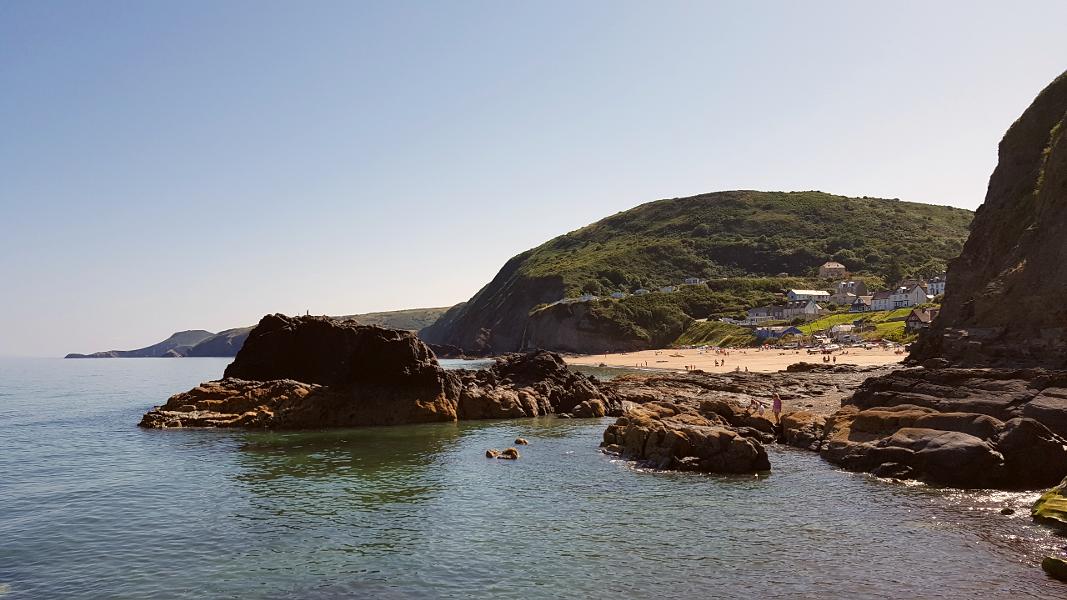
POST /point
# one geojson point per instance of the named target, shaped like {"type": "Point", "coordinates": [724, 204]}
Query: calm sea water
{"type": "Point", "coordinates": [93, 507]}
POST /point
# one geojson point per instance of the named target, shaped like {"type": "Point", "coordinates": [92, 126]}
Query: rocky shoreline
{"type": "Point", "coordinates": [314, 372]}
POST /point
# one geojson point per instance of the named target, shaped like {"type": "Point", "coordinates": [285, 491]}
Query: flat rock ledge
{"type": "Point", "coordinates": [966, 428]}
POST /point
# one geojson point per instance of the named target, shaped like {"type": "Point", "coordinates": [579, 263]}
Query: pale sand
{"type": "Point", "coordinates": [757, 361]}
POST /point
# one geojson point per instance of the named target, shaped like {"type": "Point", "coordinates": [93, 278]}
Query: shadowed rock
{"type": "Point", "coordinates": [310, 372]}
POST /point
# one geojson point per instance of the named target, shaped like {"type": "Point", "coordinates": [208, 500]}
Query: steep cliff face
{"type": "Point", "coordinates": [1005, 301]}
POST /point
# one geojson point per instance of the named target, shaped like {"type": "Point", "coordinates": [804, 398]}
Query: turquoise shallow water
{"type": "Point", "coordinates": [93, 507]}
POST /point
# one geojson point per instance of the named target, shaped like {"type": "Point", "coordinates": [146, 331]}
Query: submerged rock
{"type": "Point", "coordinates": [310, 372]}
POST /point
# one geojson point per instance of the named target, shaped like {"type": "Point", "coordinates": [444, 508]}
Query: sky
{"type": "Point", "coordinates": [195, 165]}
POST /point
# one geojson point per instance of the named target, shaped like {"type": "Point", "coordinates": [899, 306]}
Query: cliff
{"type": "Point", "coordinates": [1005, 305]}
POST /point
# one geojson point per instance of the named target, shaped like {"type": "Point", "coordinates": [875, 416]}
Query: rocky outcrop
{"type": "Point", "coordinates": [988, 405]}
{"type": "Point", "coordinates": [959, 449]}
{"type": "Point", "coordinates": [687, 437]}
{"type": "Point", "coordinates": [702, 422]}
{"type": "Point", "coordinates": [310, 372]}
{"type": "Point", "coordinates": [1003, 305]}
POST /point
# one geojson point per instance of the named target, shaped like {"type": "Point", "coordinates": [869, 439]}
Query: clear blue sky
{"type": "Point", "coordinates": [179, 165]}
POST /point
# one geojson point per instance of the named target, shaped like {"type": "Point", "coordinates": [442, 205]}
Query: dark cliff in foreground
{"type": "Point", "coordinates": [732, 238]}
{"type": "Point", "coordinates": [1006, 302]}
{"type": "Point", "coordinates": [988, 405]}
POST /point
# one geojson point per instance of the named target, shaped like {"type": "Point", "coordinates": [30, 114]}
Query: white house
{"type": "Point", "coordinates": [936, 285]}
{"type": "Point", "coordinates": [800, 307]}
{"type": "Point", "coordinates": [693, 281]}
{"type": "Point", "coordinates": [914, 295]}
{"type": "Point", "coordinates": [882, 300]}
{"type": "Point", "coordinates": [640, 292]}
{"type": "Point", "coordinates": [587, 298]}
{"type": "Point", "coordinates": [668, 288]}
{"type": "Point", "coordinates": [831, 269]}
{"type": "Point", "coordinates": [861, 304]}
{"type": "Point", "coordinates": [618, 295]}
{"type": "Point", "coordinates": [816, 295]}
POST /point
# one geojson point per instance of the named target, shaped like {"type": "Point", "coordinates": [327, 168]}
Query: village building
{"type": "Point", "coordinates": [914, 295]}
{"type": "Point", "coordinates": [861, 304]}
{"type": "Point", "coordinates": [668, 289]}
{"type": "Point", "coordinates": [587, 298]}
{"type": "Point", "coordinates": [920, 318]}
{"type": "Point", "coordinates": [882, 300]}
{"type": "Point", "coordinates": [936, 285]}
{"type": "Point", "coordinates": [855, 287]}
{"type": "Point", "coordinates": [845, 333]}
{"type": "Point", "coordinates": [832, 270]}
{"type": "Point", "coordinates": [693, 281]}
{"type": "Point", "coordinates": [842, 298]}
{"type": "Point", "coordinates": [818, 295]}
{"type": "Point", "coordinates": [640, 292]}
{"type": "Point", "coordinates": [764, 313]}
{"type": "Point", "coordinates": [799, 308]}
{"type": "Point", "coordinates": [764, 333]}
{"type": "Point", "coordinates": [618, 295]}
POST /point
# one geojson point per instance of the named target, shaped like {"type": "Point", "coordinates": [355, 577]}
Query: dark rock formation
{"type": "Point", "coordinates": [685, 437]}
{"type": "Point", "coordinates": [988, 406]}
{"type": "Point", "coordinates": [1004, 302]}
{"type": "Point", "coordinates": [307, 372]}
{"type": "Point", "coordinates": [702, 422]}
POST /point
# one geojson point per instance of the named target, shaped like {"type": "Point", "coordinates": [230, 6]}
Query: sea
{"type": "Point", "coordinates": [91, 506]}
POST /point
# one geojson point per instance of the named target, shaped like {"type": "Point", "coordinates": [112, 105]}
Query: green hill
{"type": "Point", "coordinates": [726, 237]}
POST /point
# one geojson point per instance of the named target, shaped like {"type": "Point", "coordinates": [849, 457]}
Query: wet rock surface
{"type": "Point", "coordinates": [311, 372]}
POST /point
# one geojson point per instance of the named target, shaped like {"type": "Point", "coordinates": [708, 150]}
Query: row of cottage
{"type": "Point", "coordinates": [853, 294]}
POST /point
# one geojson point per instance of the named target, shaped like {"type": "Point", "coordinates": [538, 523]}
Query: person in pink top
{"type": "Point", "coordinates": [776, 408]}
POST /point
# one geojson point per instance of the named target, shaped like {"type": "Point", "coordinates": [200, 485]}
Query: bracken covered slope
{"type": "Point", "coordinates": [1005, 304]}
{"type": "Point", "coordinates": [724, 234]}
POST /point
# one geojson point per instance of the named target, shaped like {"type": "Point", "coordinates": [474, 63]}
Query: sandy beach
{"type": "Point", "coordinates": [756, 360]}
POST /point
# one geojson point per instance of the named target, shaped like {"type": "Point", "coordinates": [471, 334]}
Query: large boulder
{"type": "Point", "coordinates": [958, 449]}
{"type": "Point", "coordinates": [1051, 507]}
{"type": "Point", "coordinates": [311, 372]}
{"type": "Point", "coordinates": [663, 435]}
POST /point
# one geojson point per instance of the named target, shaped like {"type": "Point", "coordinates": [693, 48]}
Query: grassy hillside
{"type": "Point", "coordinates": [412, 319]}
{"type": "Point", "coordinates": [730, 236]}
{"type": "Point", "coordinates": [750, 233]}
{"type": "Point", "coordinates": [715, 333]}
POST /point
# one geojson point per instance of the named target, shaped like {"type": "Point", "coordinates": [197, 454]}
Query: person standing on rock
{"type": "Point", "coordinates": [776, 408]}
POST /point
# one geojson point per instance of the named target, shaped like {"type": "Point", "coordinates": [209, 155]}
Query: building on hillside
{"type": "Point", "coordinates": [936, 285]}
{"type": "Point", "coordinates": [764, 313]}
{"type": "Point", "coordinates": [668, 289]}
{"type": "Point", "coordinates": [842, 298]}
{"type": "Point", "coordinates": [693, 281]}
{"type": "Point", "coordinates": [920, 318]}
{"type": "Point", "coordinates": [640, 292]}
{"type": "Point", "coordinates": [845, 333]}
{"type": "Point", "coordinates": [799, 308]}
{"type": "Point", "coordinates": [914, 295]}
{"type": "Point", "coordinates": [817, 295]}
{"type": "Point", "coordinates": [832, 270]}
{"type": "Point", "coordinates": [882, 300]}
{"type": "Point", "coordinates": [587, 298]}
{"type": "Point", "coordinates": [618, 295]}
{"type": "Point", "coordinates": [855, 287]}
{"type": "Point", "coordinates": [861, 304]}
{"type": "Point", "coordinates": [764, 333]}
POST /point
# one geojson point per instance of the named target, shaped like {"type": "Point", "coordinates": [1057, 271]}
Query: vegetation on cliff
{"type": "Point", "coordinates": [732, 236]}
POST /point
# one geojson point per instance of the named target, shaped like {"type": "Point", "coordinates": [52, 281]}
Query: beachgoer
{"type": "Point", "coordinates": [776, 407]}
